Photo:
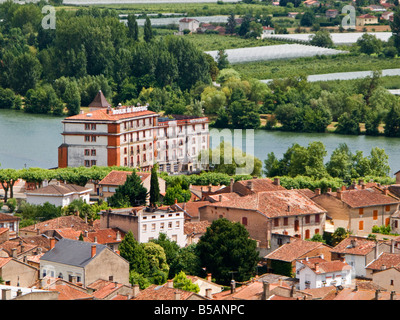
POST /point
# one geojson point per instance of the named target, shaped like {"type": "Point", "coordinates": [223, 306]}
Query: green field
{"type": "Point", "coordinates": [314, 65]}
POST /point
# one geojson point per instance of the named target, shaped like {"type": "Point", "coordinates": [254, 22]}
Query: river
{"type": "Point", "coordinates": [32, 141]}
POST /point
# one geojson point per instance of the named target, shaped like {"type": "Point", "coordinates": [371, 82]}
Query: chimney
{"type": "Point", "coordinates": [398, 177]}
{"type": "Point", "coordinates": [220, 198]}
{"type": "Point", "coordinates": [316, 267]}
{"type": "Point", "coordinates": [288, 208]}
{"type": "Point", "coordinates": [292, 291]}
{"type": "Point", "coordinates": [329, 190]}
{"type": "Point", "coordinates": [93, 250]}
{"type": "Point", "coordinates": [135, 290]}
{"type": "Point", "coordinates": [52, 243]}
{"type": "Point", "coordinates": [86, 233]}
{"type": "Point", "coordinates": [386, 191]}
{"type": "Point", "coordinates": [363, 186]}
{"type": "Point", "coordinates": [14, 252]}
{"type": "Point", "coordinates": [118, 236]}
{"type": "Point", "coordinates": [231, 185]}
{"type": "Point", "coordinates": [343, 188]}
{"type": "Point", "coordinates": [339, 194]}
{"type": "Point", "coordinates": [95, 239]}
{"type": "Point", "coordinates": [277, 181]}
{"type": "Point", "coordinates": [170, 283]}
{"type": "Point", "coordinates": [376, 250]}
{"type": "Point", "coordinates": [353, 243]}
{"type": "Point", "coordinates": [250, 185]}
{"type": "Point", "coordinates": [209, 277]}
{"type": "Point", "coordinates": [208, 293]}
{"type": "Point", "coordinates": [392, 246]}
{"type": "Point", "coordinates": [38, 231]}
{"type": "Point", "coordinates": [5, 294]}
{"type": "Point", "coordinates": [266, 292]}
{"type": "Point", "coordinates": [317, 191]}
{"type": "Point", "coordinates": [361, 182]}
{"type": "Point", "coordinates": [177, 295]}
{"type": "Point", "coordinates": [393, 295]}
{"type": "Point", "coordinates": [233, 286]}
{"type": "Point", "coordinates": [377, 294]}
{"type": "Point", "coordinates": [73, 279]}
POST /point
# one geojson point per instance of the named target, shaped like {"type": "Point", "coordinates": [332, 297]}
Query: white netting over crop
{"type": "Point", "coordinates": [284, 51]}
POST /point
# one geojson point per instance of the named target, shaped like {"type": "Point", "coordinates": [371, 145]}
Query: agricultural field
{"type": "Point", "coordinates": [314, 65]}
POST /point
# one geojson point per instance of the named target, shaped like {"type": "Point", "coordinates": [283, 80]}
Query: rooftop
{"type": "Point", "coordinates": [59, 190]}
{"type": "Point", "coordinates": [117, 178]}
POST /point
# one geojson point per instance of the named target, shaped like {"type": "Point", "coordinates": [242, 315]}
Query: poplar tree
{"type": "Point", "coordinates": [133, 28]}
{"type": "Point", "coordinates": [148, 31]}
{"type": "Point", "coordinates": [154, 186]}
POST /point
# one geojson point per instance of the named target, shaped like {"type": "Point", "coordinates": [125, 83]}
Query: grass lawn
{"type": "Point", "coordinates": [313, 65]}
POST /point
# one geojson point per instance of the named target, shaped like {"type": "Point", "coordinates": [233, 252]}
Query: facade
{"type": "Point", "coordinates": [267, 31]}
{"type": "Point", "coordinates": [127, 136]}
{"type": "Point", "coordinates": [147, 223]}
{"type": "Point", "coordinates": [17, 273]}
{"type": "Point", "coordinates": [179, 141]}
{"type": "Point", "coordinates": [188, 24]}
{"type": "Point", "coordinates": [11, 223]}
{"type": "Point", "coordinates": [366, 19]}
{"type": "Point", "coordinates": [317, 272]}
{"type": "Point", "coordinates": [359, 210]}
{"type": "Point", "coordinates": [59, 194]}
{"type": "Point", "coordinates": [83, 262]}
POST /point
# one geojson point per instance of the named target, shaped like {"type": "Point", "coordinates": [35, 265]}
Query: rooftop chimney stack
{"type": "Point", "coordinates": [135, 290]}
{"type": "Point", "coordinates": [393, 295]}
{"type": "Point", "coordinates": [231, 185]}
{"type": "Point", "coordinates": [52, 243]}
{"type": "Point", "coordinates": [93, 250]}
{"type": "Point", "coordinates": [170, 283]}
{"type": "Point", "coordinates": [208, 293]}
{"type": "Point", "coordinates": [377, 294]}
{"type": "Point", "coordinates": [339, 194]}
{"type": "Point", "coordinates": [317, 191]}
{"type": "Point", "coordinates": [277, 181]}
{"type": "Point", "coordinates": [209, 277]}
{"type": "Point", "coordinates": [177, 295]}
{"type": "Point", "coordinates": [266, 290]}
{"type": "Point", "coordinates": [233, 286]}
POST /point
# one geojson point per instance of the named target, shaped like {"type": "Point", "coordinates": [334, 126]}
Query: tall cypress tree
{"type": "Point", "coordinates": [148, 31]}
{"type": "Point", "coordinates": [231, 24]}
{"type": "Point", "coordinates": [133, 27]}
{"type": "Point", "coordinates": [154, 186]}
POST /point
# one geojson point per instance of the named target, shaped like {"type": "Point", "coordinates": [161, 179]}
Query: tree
{"type": "Point", "coordinates": [133, 252]}
{"type": "Point", "coordinates": [157, 259]}
{"type": "Point", "coordinates": [133, 29]}
{"type": "Point", "coordinates": [154, 186]}
{"type": "Point", "coordinates": [322, 39]}
{"type": "Point", "coordinates": [222, 60]}
{"type": "Point", "coordinates": [369, 44]}
{"type": "Point", "coordinates": [244, 27]}
{"type": "Point", "coordinates": [72, 98]}
{"type": "Point", "coordinates": [176, 193]}
{"type": "Point", "coordinates": [130, 194]}
{"type": "Point", "coordinates": [340, 162]}
{"type": "Point", "coordinates": [184, 283]}
{"type": "Point", "coordinates": [395, 27]}
{"type": "Point", "coordinates": [171, 250]}
{"type": "Point", "coordinates": [148, 31]}
{"type": "Point", "coordinates": [231, 24]}
{"type": "Point", "coordinates": [392, 122]}
{"type": "Point", "coordinates": [244, 114]}
{"type": "Point", "coordinates": [307, 20]}
{"type": "Point", "coordinates": [25, 73]}
{"type": "Point", "coordinates": [338, 235]}
{"type": "Point", "coordinates": [222, 248]}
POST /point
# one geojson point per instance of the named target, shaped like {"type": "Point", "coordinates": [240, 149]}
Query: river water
{"type": "Point", "coordinates": [32, 141]}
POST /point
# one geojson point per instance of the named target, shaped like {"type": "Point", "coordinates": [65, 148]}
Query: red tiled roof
{"type": "Point", "coordinates": [8, 217]}
{"type": "Point", "coordinates": [321, 266]}
{"type": "Point", "coordinates": [102, 115]}
{"type": "Point", "coordinates": [61, 189]}
{"type": "Point", "coordinates": [385, 260]}
{"type": "Point", "coordinates": [196, 227]}
{"type": "Point", "coordinates": [365, 198]}
{"type": "Point", "coordinates": [192, 207]}
{"type": "Point", "coordinates": [351, 294]}
{"type": "Point", "coordinates": [73, 222]}
{"type": "Point", "coordinates": [293, 250]}
{"type": "Point", "coordinates": [362, 246]}
{"type": "Point", "coordinates": [117, 178]}
{"type": "Point", "coordinates": [103, 236]}
{"type": "Point", "coordinates": [274, 203]}
{"type": "Point", "coordinates": [104, 288]}
{"type": "Point", "coordinates": [162, 292]}
{"type": "Point", "coordinates": [4, 261]}
{"type": "Point", "coordinates": [3, 230]}
{"type": "Point", "coordinates": [260, 185]}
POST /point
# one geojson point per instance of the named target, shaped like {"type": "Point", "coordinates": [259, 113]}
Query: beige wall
{"type": "Point", "coordinates": [107, 264]}
{"type": "Point", "coordinates": [13, 270]}
{"type": "Point", "coordinates": [125, 223]}
{"type": "Point", "coordinates": [385, 279]}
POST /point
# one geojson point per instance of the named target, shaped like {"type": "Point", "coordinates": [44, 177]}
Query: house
{"type": "Point", "coordinates": [331, 13]}
{"type": "Point", "coordinates": [376, 8]}
{"type": "Point", "coordinates": [292, 14]}
{"type": "Point", "coordinates": [388, 16]}
{"type": "Point", "coordinates": [387, 277]}
{"type": "Point", "coordinates": [286, 212]}
{"type": "Point", "coordinates": [190, 209]}
{"type": "Point", "coordinates": [17, 249]}
{"type": "Point", "coordinates": [109, 184]}
{"type": "Point", "coordinates": [11, 223]}
{"type": "Point", "coordinates": [195, 230]}
{"type": "Point", "coordinates": [108, 290]}
{"type": "Point", "coordinates": [285, 257]}
{"type": "Point", "coordinates": [207, 287]}
{"type": "Point", "coordinates": [110, 237]}
{"type": "Point", "coordinates": [200, 192]}
{"type": "Point", "coordinates": [385, 261]}
{"type": "Point", "coordinates": [358, 210]}
{"type": "Point", "coordinates": [267, 31]}
{"type": "Point", "coordinates": [83, 262]}
{"type": "Point", "coordinates": [188, 24]}
{"type": "Point", "coordinates": [65, 290]}
{"type": "Point", "coordinates": [311, 3]}
{"type": "Point", "coordinates": [61, 194]}
{"type": "Point", "coordinates": [359, 252]}
{"type": "Point", "coordinates": [147, 223]}
{"type": "Point", "coordinates": [17, 273]}
{"type": "Point", "coordinates": [166, 292]}
{"type": "Point", "coordinates": [366, 19]}
{"type": "Point", "coordinates": [47, 227]}
{"type": "Point", "coordinates": [99, 102]}
{"type": "Point", "coordinates": [4, 235]}
{"type": "Point", "coordinates": [317, 272]}
{"type": "Point", "coordinates": [24, 293]}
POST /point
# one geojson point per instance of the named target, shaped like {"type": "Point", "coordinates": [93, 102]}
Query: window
{"type": "Point", "coordinates": [161, 226]}
{"type": "Point", "coordinates": [93, 152]}
{"type": "Point", "coordinates": [375, 214]}
{"type": "Point", "coordinates": [87, 163]}
{"type": "Point", "coordinates": [361, 211]}
{"type": "Point", "coordinates": [93, 138]}
{"type": "Point", "coordinates": [317, 218]}
{"type": "Point", "coordinates": [125, 150]}
{"type": "Point", "coordinates": [316, 231]}
{"type": "Point", "coordinates": [144, 228]}
{"type": "Point", "coordinates": [93, 162]}
{"type": "Point", "coordinates": [93, 127]}
{"type": "Point", "coordinates": [387, 208]}
{"type": "Point", "coordinates": [87, 138]}
{"type": "Point", "coordinates": [153, 227]}
{"type": "Point", "coordinates": [307, 234]}
{"type": "Point", "coordinates": [87, 152]}
{"type": "Point", "coordinates": [361, 225]}
{"type": "Point", "coordinates": [276, 222]}
{"type": "Point", "coordinates": [177, 225]}
{"type": "Point", "coordinates": [307, 219]}
{"type": "Point", "coordinates": [110, 278]}
{"type": "Point", "coordinates": [244, 221]}
{"type": "Point", "coordinates": [387, 221]}
{"type": "Point", "coordinates": [169, 225]}
{"type": "Point", "coordinates": [285, 221]}
{"type": "Point", "coordinates": [87, 126]}
{"type": "Point", "coordinates": [392, 282]}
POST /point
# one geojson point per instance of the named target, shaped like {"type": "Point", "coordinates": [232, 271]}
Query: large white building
{"type": "Point", "coordinates": [132, 137]}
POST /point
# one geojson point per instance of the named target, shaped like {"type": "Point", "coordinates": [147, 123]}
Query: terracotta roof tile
{"type": "Point", "coordinates": [293, 250]}
{"type": "Point", "coordinates": [8, 217]}
{"type": "Point", "coordinates": [385, 260]}
{"type": "Point", "coordinates": [192, 207]}
{"type": "Point", "coordinates": [4, 261]}
{"type": "Point", "coordinates": [321, 266]}
{"type": "Point", "coordinates": [73, 222]}
{"type": "Point", "coordinates": [365, 198]}
{"type": "Point", "coordinates": [196, 227]}
{"type": "Point", "coordinates": [102, 115]}
{"type": "Point", "coordinates": [117, 178]}
{"type": "Point", "coordinates": [355, 245]}
{"type": "Point", "coordinates": [104, 288]}
{"type": "Point", "coordinates": [260, 185]}
{"type": "Point", "coordinates": [61, 189]}
{"type": "Point", "coordinates": [161, 292]}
